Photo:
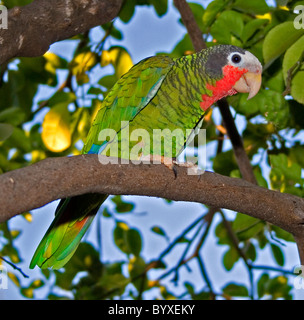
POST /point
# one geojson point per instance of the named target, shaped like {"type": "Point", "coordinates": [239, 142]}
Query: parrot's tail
{"type": "Point", "coordinates": [72, 218]}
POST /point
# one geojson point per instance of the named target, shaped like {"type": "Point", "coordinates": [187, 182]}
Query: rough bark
{"type": "Point", "coordinates": [54, 178]}
{"type": "Point", "coordinates": [34, 27]}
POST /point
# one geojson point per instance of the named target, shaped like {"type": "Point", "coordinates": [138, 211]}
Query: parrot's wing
{"type": "Point", "coordinates": [128, 97]}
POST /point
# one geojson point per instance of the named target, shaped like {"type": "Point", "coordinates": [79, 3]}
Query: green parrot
{"type": "Point", "coordinates": [157, 93]}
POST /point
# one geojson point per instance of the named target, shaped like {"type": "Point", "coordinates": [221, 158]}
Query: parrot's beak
{"type": "Point", "coordinates": [249, 82]}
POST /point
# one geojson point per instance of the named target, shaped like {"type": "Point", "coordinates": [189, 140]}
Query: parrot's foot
{"type": "Point", "coordinates": [171, 164]}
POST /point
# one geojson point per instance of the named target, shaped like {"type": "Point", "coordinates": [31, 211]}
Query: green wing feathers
{"type": "Point", "coordinates": [73, 217]}
{"type": "Point", "coordinates": [131, 93]}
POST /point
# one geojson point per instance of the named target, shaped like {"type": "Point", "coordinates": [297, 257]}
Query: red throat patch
{"type": "Point", "coordinates": [223, 87]}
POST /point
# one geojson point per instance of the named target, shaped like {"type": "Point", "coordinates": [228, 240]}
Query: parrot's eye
{"type": "Point", "coordinates": [236, 58]}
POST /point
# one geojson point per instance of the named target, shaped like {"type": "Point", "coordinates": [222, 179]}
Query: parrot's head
{"type": "Point", "coordinates": [232, 70]}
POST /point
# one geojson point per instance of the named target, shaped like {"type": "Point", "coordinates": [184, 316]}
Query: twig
{"type": "Point", "coordinates": [205, 276]}
{"type": "Point", "coordinates": [269, 268]}
{"type": "Point", "coordinates": [14, 267]}
{"type": "Point", "coordinates": [291, 73]}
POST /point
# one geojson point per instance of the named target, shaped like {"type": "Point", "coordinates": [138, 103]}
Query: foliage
{"type": "Point", "coordinates": [57, 124]}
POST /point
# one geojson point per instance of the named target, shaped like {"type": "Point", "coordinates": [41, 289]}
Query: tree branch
{"type": "Point", "coordinates": [34, 27]}
{"type": "Point", "coordinates": [55, 178]}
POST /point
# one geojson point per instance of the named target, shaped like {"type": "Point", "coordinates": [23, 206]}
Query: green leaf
{"type": "Point", "coordinates": [252, 27]}
{"type": "Point", "coordinates": [224, 163]}
{"type": "Point", "coordinates": [160, 6]}
{"type": "Point", "coordinates": [134, 241]}
{"type": "Point", "coordinates": [274, 107]}
{"type": "Point", "coordinates": [296, 114]}
{"type": "Point", "coordinates": [120, 237]}
{"type": "Point", "coordinates": [137, 270]}
{"type": "Point", "coordinates": [127, 10]}
{"type": "Point", "coordinates": [160, 231]}
{"type": "Point", "coordinates": [278, 288]}
{"type": "Point", "coordinates": [6, 131]}
{"type": "Point", "coordinates": [276, 82]}
{"type": "Point", "coordinates": [95, 91]}
{"type": "Point", "coordinates": [296, 155]}
{"type": "Point", "coordinates": [247, 227]}
{"type": "Point", "coordinates": [121, 205]}
{"type": "Point", "coordinates": [285, 174]}
{"type": "Point", "coordinates": [273, 288]}
{"type": "Point", "coordinates": [291, 57]}
{"type": "Point", "coordinates": [282, 234]}
{"type": "Point", "coordinates": [250, 251]}
{"type": "Point", "coordinates": [262, 285]}
{"type": "Point", "coordinates": [127, 239]}
{"type": "Point", "coordinates": [108, 81]}
{"type": "Point", "coordinates": [235, 290]}
{"type": "Point", "coordinates": [115, 283]}
{"type": "Point", "coordinates": [213, 8]}
{"type": "Point", "coordinates": [277, 254]}
{"type": "Point", "coordinates": [252, 7]}
{"type": "Point", "coordinates": [222, 234]}
{"type": "Point", "coordinates": [106, 213]}
{"type": "Point", "coordinates": [231, 256]}
{"type": "Point", "coordinates": [228, 26]}
{"type": "Point", "coordinates": [271, 104]}
{"type": "Point", "coordinates": [61, 97]}
{"type": "Point", "coordinates": [18, 139]}
{"type": "Point", "coordinates": [273, 45]}
{"type": "Point", "coordinates": [13, 116]}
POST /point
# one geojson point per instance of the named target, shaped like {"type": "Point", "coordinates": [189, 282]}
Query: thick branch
{"type": "Point", "coordinates": [34, 27]}
{"type": "Point", "coordinates": [54, 178]}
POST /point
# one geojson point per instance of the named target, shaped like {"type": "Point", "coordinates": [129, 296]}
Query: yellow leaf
{"type": "Point", "coordinates": [36, 283]}
{"type": "Point", "coordinates": [264, 16]}
{"type": "Point", "coordinates": [15, 233]}
{"type": "Point", "coordinates": [28, 217]}
{"type": "Point", "coordinates": [85, 60]}
{"type": "Point", "coordinates": [28, 292]}
{"type": "Point", "coordinates": [123, 226]}
{"type": "Point", "coordinates": [106, 58]}
{"type": "Point", "coordinates": [82, 63]}
{"type": "Point", "coordinates": [15, 258]}
{"type": "Point", "coordinates": [56, 134]}
{"type": "Point", "coordinates": [14, 279]}
{"type": "Point", "coordinates": [119, 58]}
{"type": "Point", "coordinates": [53, 61]}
